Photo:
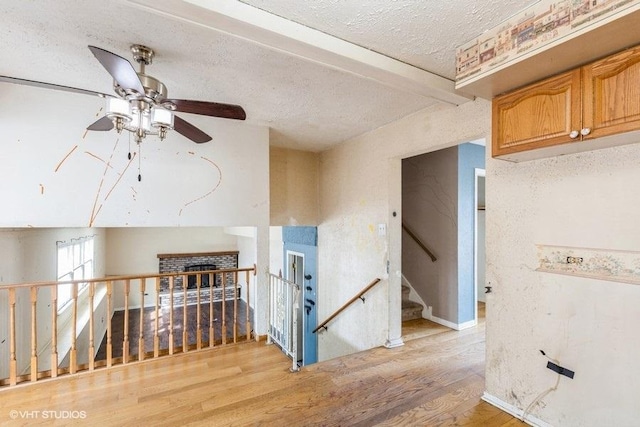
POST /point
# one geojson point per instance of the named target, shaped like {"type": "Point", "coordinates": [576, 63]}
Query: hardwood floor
{"type": "Point", "coordinates": [419, 328]}
{"type": "Point", "coordinates": [117, 324]}
{"type": "Point", "coordinates": [435, 380]}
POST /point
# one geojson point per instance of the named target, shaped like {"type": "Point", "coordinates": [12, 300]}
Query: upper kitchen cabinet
{"type": "Point", "coordinates": [541, 115]}
{"type": "Point", "coordinates": [595, 106]}
{"type": "Point", "coordinates": [611, 94]}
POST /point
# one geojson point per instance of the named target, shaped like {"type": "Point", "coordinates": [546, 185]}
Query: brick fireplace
{"type": "Point", "coordinates": [178, 263]}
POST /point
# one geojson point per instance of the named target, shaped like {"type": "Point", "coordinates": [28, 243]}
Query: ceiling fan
{"type": "Point", "coordinates": [141, 106]}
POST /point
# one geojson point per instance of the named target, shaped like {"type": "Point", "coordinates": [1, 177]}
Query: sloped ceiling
{"type": "Point", "coordinates": [307, 104]}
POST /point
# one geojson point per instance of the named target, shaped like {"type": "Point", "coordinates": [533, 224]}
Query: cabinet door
{"type": "Point", "coordinates": [540, 115]}
{"type": "Point", "coordinates": [611, 94]}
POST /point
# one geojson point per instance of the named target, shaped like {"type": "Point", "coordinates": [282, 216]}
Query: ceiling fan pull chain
{"type": "Point", "coordinates": [139, 161]}
{"type": "Point", "coordinates": [129, 155]}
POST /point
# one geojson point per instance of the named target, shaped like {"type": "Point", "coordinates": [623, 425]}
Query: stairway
{"type": "Point", "coordinates": [410, 310]}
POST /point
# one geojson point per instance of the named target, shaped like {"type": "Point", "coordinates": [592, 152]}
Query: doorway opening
{"type": "Point", "coordinates": [441, 192]}
{"type": "Point", "coordinates": [300, 259]}
{"type": "Point", "coordinates": [295, 274]}
{"type": "Point", "coordinates": [479, 259]}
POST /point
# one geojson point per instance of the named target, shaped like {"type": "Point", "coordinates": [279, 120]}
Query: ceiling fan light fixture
{"type": "Point", "coordinates": [161, 118]}
{"type": "Point", "coordinates": [140, 126]}
{"type": "Point", "coordinates": [141, 121]}
{"type": "Point", "coordinates": [118, 108]}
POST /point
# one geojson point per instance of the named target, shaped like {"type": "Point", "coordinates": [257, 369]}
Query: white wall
{"type": "Point", "coordinates": [135, 250]}
{"type": "Point", "coordinates": [11, 261]}
{"type": "Point", "coordinates": [276, 251]}
{"type": "Point", "coordinates": [254, 245]}
{"type": "Point", "coordinates": [247, 258]}
{"type": "Point", "coordinates": [360, 187]}
{"type": "Point", "coordinates": [585, 200]}
{"type": "Point", "coordinates": [61, 177]}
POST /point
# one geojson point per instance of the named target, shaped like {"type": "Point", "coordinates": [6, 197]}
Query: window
{"type": "Point", "coordinates": [75, 262]}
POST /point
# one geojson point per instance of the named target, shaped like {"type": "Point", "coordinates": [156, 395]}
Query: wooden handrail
{"type": "Point", "coordinates": [130, 277]}
{"type": "Point", "coordinates": [419, 242]}
{"type": "Point", "coordinates": [347, 304]}
{"type": "Point", "coordinates": [82, 312]}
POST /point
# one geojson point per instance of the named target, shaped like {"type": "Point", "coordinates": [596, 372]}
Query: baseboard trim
{"type": "Point", "coordinates": [396, 342]}
{"type": "Point", "coordinates": [516, 412]}
{"type": "Point", "coordinates": [456, 326]}
{"type": "Point", "coordinates": [467, 325]}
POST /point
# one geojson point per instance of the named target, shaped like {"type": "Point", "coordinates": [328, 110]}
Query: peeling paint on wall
{"type": "Point", "coordinates": [96, 209]}
{"type": "Point", "coordinates": [65, 158]}
{"type": "Point", "coordinates": [211, 191]}
{"type": "Point", "coordinates": [99, 158]}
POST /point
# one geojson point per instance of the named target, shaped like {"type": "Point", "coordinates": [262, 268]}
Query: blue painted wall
{"type": "Point", "coordinates": [304, 240]}
{"type": "Point", "coordinates": [470, 157]}
{"type": "Point", "coordinates": [300, 235]}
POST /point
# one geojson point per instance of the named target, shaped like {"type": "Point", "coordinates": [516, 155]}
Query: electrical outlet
{"type": "Point", "coordinates": [574, 260]}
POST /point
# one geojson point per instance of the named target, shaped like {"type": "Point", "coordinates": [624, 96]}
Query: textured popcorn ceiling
{"type": "Point", "coordinates": [306, 104]}
{"type": "Point", "coordinates": [424, 33]}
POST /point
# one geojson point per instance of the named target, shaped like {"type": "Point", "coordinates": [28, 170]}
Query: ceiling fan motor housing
{"type": "Point", "coordinates": [142, 54]}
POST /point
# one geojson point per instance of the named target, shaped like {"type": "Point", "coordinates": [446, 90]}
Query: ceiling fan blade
{"type": "Point", "coordinates": [213, 109]}
{"type": "Point", "coordinates": [102, 124]}
{"type": "Point", "coordinates": [15, 80]}
{"type": "Point", "coordinates": [120, 69]}
{"type": "Point", "coordinates": [190, 131]}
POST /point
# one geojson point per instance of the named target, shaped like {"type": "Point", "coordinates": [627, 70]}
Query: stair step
{"type": "Point", "coordinates": [411, 310]}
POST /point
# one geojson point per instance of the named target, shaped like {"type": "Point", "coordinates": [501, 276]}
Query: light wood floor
{"type": "Point", "coordinates": [435, 380]}
{"type": "Point", "coordinates": [420, 328]}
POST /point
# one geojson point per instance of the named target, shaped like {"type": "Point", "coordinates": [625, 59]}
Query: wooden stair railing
{"type": "Point", "coordinates": [104, 288]}
{"type": "Point", "coordinates": [418, 241]}
{"type": "Point", "coordinates": [347, 304]}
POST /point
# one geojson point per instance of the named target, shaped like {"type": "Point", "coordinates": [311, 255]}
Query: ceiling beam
{"type": "Point", "coordinates": [258, 26]}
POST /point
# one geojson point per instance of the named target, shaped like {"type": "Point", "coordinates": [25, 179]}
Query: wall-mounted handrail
{"type": "Point", "coordinates": [419, 242]}
{"type": "Point", "coordinates": [347, 304]}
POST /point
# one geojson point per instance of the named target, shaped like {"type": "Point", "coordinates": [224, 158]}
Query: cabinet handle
{"type": "Point", "coordinates": [585, 131]}
{"type": "Point", "coordinates": [574, 134]}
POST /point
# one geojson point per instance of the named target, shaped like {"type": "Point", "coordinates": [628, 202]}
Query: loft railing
{"type": "Point", "coordinates": [285, 321]}
{"type": "Point", "coordinates": [418, 241]}
{"type": "Point", "coordinates": [73, 340]}
{"type": "Point", "coordinates": [347, 304]}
